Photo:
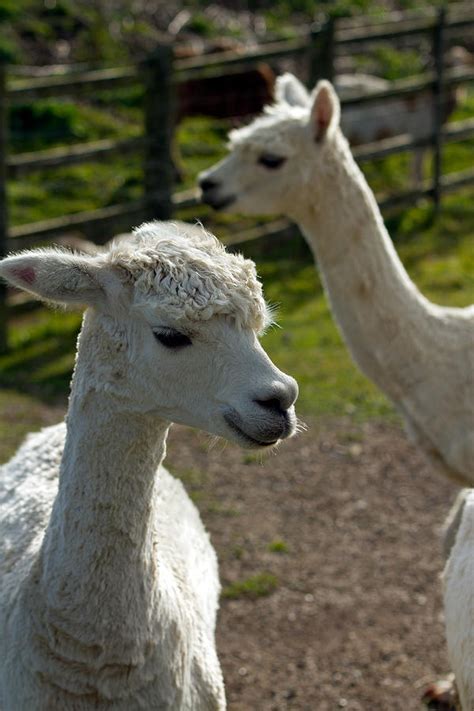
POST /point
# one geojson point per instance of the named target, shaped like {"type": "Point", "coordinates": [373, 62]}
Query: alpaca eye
{"type": "Point", "coordinates": [271, 161]}
{"type": "Point", "coordinates": [172, 339]}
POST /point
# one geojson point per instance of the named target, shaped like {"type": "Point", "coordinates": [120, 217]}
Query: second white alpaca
{"type": "Point", "coordinates": [294, 160]}
{"type": "Point", "coordinates": [108, 581]}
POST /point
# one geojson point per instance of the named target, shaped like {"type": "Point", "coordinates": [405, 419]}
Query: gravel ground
{"type": "Point", "coordinates": [346, 518]}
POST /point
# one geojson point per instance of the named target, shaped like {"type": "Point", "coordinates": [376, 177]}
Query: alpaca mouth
{"type": "Point", "coordinates": [246, 438]}
{"type": "Point", "coordinates": [217, 203]}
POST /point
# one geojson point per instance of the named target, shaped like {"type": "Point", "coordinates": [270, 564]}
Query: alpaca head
{"type": "Point", "coordinates": [172, 330]}
{"type": "Point", "coordinates": [275, 160]}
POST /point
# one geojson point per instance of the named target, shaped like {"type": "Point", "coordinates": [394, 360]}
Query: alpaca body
{"type": "Point", "coordinates": [459, 604]}
{"type": "Point", "coordinates": [108, 581]}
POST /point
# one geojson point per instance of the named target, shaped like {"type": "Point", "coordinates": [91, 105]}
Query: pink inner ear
{"type": "Point", "coordinates": [324, 111]}
{"type": "Point", "coordinates": [26, 274]}
{"type": "Point", "coordinates": [323, 122]}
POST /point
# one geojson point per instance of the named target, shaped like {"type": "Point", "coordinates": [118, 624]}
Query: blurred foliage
{"type": "Point", "coordinates": [117, 31]}
{"type": "Point", "coordinates": [201, 25]}
{"type": "Point", "coordinates": [391, 63]}
{"type": "Point", "coordinates": [8, 10]}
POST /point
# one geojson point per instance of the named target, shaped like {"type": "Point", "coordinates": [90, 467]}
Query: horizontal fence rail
{"type": "Point", "coordinates": [23, 163]}
{"type": "Point", "coordinates": [410, 87]}
{"type": "Point", "coordinates": [72, 84]}
{"type": "Point", "coordinates": [381, 33]}
{"type": "Point", "coordinates": [28, 235]}
{"type": "Point", "coordinates": [160, 76]}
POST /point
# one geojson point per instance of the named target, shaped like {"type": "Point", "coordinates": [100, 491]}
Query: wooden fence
{"type": "Point", "coordinates": [160, 74]}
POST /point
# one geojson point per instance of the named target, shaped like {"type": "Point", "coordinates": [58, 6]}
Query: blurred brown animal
{"type": "Point", "coordinates": [243, 93]}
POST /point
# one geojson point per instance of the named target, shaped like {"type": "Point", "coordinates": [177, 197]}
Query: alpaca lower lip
{"type": "Point", "coordinates": [246, 437]}
{"type": "Point", "coordinates": [218, 203]}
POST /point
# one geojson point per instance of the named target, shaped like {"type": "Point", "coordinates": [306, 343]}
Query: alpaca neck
{"type": "Point", "coordinates": [376, 305]}
{"type": "Point", "coordinates": [98, 561]}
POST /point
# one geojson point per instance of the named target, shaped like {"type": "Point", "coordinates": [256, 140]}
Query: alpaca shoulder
{"type": "Point", "coordinates": [185, 543]}
{"type": "Point", "coordinates": [28, 486]}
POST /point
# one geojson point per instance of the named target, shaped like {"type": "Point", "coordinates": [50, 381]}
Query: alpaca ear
{"type": "Point", "coordinates": [61, 277]}
{"type": "Point", "coordinates": [325, 110]}
{"type": "Point", "coordinates": [290, 90]}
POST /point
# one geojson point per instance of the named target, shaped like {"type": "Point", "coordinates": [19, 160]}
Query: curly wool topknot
{"type": "Point", "coordinates": [188, 274]}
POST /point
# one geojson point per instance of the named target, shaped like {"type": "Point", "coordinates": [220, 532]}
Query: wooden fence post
{"type": "Point", "coordinates": [3, 203]}
{"type": "Point", "coordinates": [438, 103]}
{"type": "Point", "coordinates": [159, 125]}
{"type": "Point", "coordinates": [321, 52]}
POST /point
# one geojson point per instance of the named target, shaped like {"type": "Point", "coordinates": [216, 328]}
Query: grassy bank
{"type": "Point", "coordinates": [438, 255]}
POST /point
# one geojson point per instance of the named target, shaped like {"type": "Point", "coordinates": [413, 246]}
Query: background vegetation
{"type": "Point", "coordinates": [52, 31]}
{"type": "Point", "coordinates": [35, 374]}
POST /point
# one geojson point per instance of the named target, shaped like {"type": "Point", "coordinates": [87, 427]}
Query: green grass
{"type": "Point", "coordinates": [19, 414]}
{"type": "Point", "coordinates": [258, 585]}
{"type": "Point", "coordinates": [54, 192]}
{"type": "Point", "coordinates": [277, 546]}
{"type": "Point", "coordinates": [41, 355]}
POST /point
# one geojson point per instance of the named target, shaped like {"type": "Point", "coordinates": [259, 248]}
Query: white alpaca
{"type": "Point", "coordinates": [367, 123]}
{"type": "Point", "coordinates": [412, 115]}
{"type": "Point", "coordinates": [295, 161]}
{"type": "Point", "coordinates": [108, 581]}
{"type": "Point", "coordinates": [458, 581]}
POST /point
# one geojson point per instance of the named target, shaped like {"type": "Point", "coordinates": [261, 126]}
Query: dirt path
{"type": "Point", "coordinates": [343, 523]}
{"type": "Point", "coordinates": [355, 619]}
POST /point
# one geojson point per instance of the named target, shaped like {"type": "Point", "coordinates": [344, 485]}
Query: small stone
{"type": "Point", "coordinates": [355, 450]}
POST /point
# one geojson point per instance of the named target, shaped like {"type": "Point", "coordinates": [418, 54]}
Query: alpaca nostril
{"type": "Point", "coordinates": [207, 184]}
{"type": "Point", "coordinates": [279, 397]}
{"type": "Point", "coordinates": [273, 404]}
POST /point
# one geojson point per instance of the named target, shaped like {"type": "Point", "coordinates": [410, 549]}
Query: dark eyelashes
{"type": "Point", "coordinates": [271, 161]}
{"type": "Point", "coordinates": [172, 339]}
